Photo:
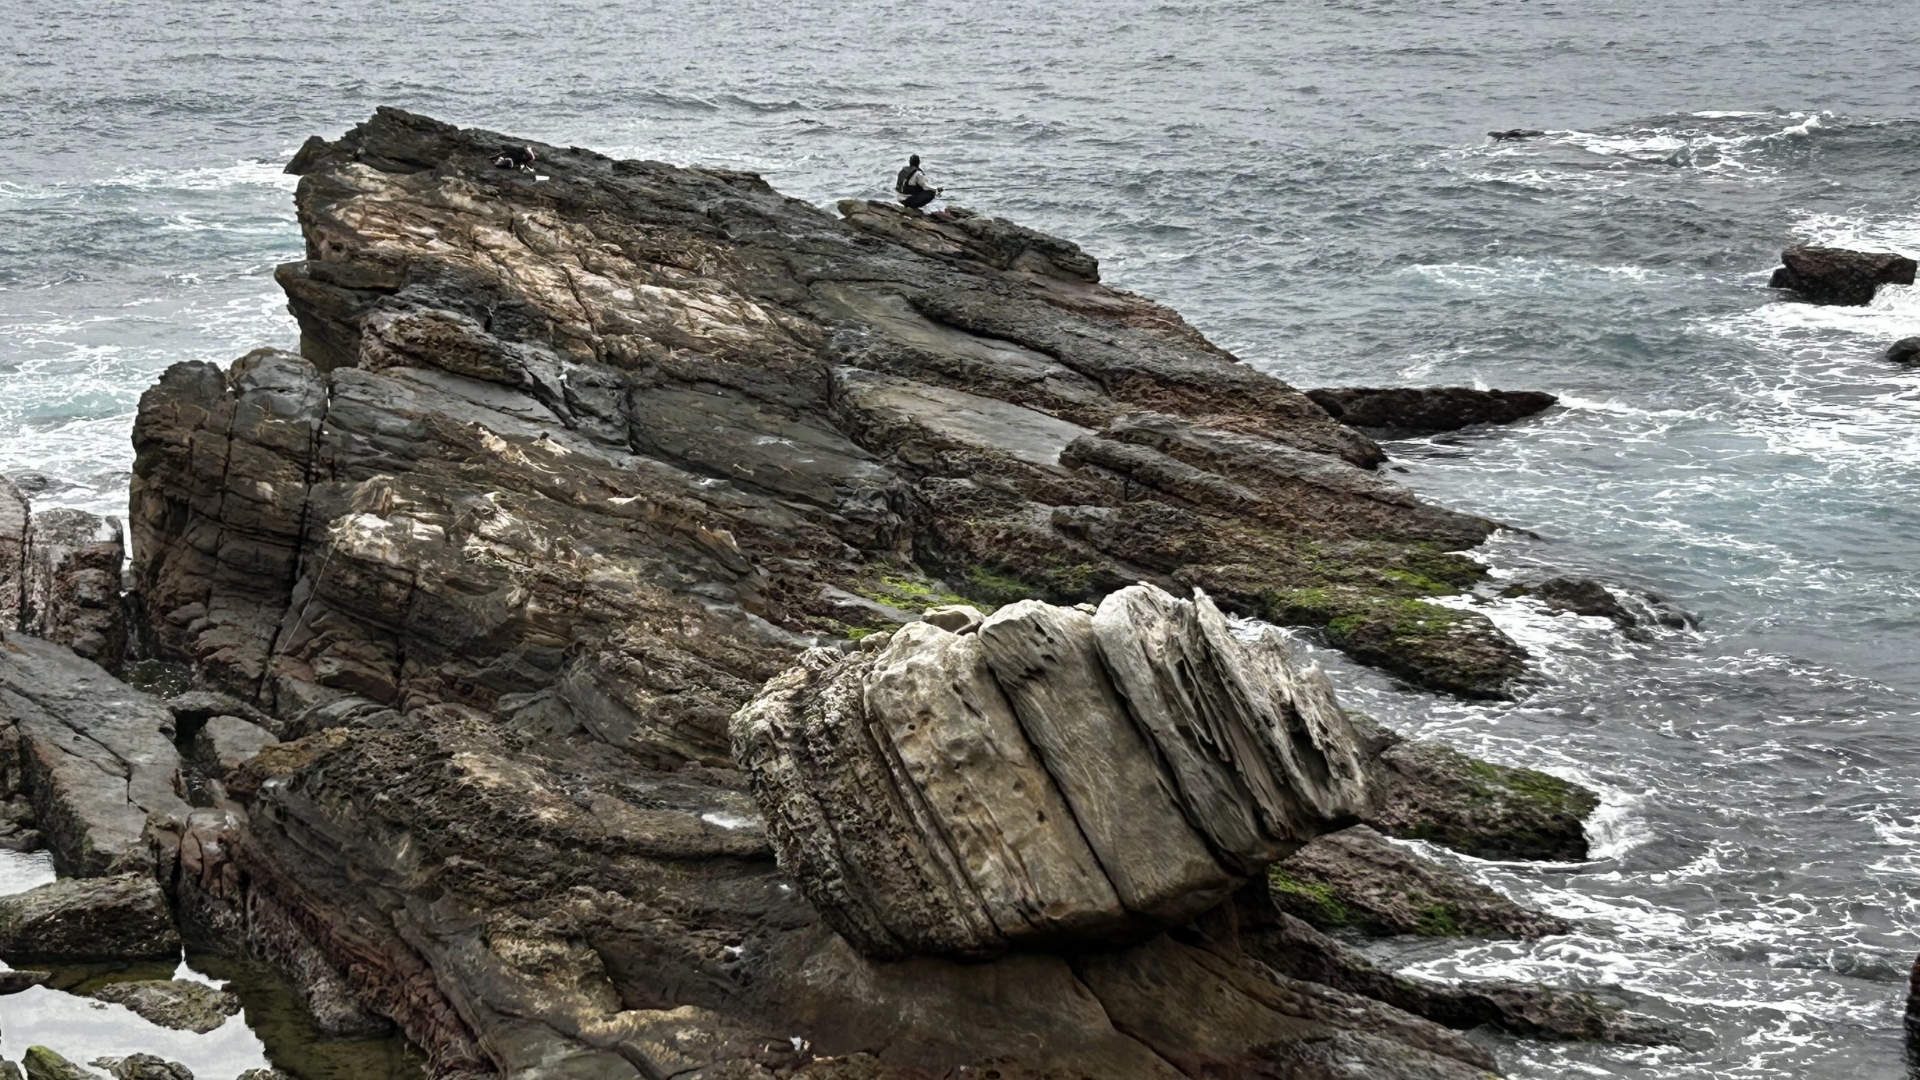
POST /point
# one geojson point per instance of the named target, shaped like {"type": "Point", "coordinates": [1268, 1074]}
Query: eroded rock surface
{"type": "Point", "coordinates": [1827, 275]}
{"type": "Point", "coordinates": [1056, 777]}
{"type": "Point", "coordinates": [1434, 792]}
{"type": "Point", "coordinates": [72, 594]}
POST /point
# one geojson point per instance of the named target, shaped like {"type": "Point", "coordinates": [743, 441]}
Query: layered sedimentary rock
{"type": "Point", "coordinates": [567, 469]}
{"type": "Point", "coordinates": [60, 576]}
{"type": "Point", "coordinates": [1827, 275]}
{"type": "Point", "coordinates": [1053, 778]}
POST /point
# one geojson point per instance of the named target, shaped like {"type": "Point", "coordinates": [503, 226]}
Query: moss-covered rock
{"type": "Point", "coordinates": [1355, 880]}
{"type": "Point", "coordinates": [1434, 792]}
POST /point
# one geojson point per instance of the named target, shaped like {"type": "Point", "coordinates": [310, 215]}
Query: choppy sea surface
{"type": "Point", "coordinates": [1309, 183]}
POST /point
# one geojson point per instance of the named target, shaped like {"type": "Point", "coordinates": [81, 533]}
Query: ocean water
{"type": "Point", "coordinates": [1310, 183]}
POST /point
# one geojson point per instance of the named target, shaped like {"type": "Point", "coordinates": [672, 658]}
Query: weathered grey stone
{"type": "Point", "coordinates": [94, 757]}
{"type": "Point", "coordinates": [9, 1071]}
{"type": "Point", "coordinates": [144, 1067]}
{"type": "Point", "coordinates": [950, 784]}
{"type": "Point", "coordinates": [180, 1004]}
{"type": "Point", "coordinates": [73, 583]}
{"type": "Point", "coordinates": [225, 743]}
{"type": "Point", "coordinates": [1261, 756]}
{"type": "Point", "coordinates": [88, 919]}
{"type": "Point", "coordinates": [1127, 806]}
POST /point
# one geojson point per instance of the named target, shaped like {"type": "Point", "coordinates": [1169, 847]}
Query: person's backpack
{"type": "Point", "coordinates": [900, 182]}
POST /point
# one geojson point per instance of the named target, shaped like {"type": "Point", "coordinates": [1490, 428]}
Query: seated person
{"type": "Point", "coordinates": [914, 186]}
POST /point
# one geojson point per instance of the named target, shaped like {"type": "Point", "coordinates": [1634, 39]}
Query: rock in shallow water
{"type": "Point", "coordinates": [144, 1067]}
{"type": "Point", "coordinates": [1054, 778]}
{"type": "Point", "coordinates": [1426, 410]}
{"type": "Point", "coordinates": [1355, 880]}
{"type": "Point", "coordinates": [1838, 276]}
{"type": "Point", "coordinates": [180, 1004]}
{"type": "Point", "coordinates": [91, 919]}
{"type": "Point", "coordinates": [1434, 792]}
{"type": "Point", "coordinates": [44, 1064]}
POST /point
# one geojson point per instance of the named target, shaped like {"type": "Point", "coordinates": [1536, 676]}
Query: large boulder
{"type": "Point", "coordinates": [1405, 410]}
{"type": "Point", "coordinates": [44, 1064]}
{"type": "Point", "coordinates": [84, 920]}
{"type": "Point", "coordinates": [1433, 792]}
{"type": "Point", "coordinates": [1054, 778]}
{"type": "Point", "coordinates": [1827, 275]}
{"type": "Point", "coordinates": [93, 756]}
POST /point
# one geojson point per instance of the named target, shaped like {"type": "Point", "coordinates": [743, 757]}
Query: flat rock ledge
{"type": "Point", "coordinates": [180, 1004]}
{"type": "Point", "coordinates": [1054, 777]}
{"type": "Point", "coordinates": [82, 920]}
{"type": "Point", "coordinates": [1401, 411]}
{"type": "Point", "coordinates": [1355, 880]}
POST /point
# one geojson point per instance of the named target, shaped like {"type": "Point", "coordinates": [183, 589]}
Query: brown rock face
{"type": "Point", "coordinates": [1838, 276]}
{"type": "Point", "coordinates": [567, 469]}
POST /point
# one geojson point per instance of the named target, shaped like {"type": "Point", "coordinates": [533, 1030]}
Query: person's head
{"type": "Point", "coordinates": [913, 159]}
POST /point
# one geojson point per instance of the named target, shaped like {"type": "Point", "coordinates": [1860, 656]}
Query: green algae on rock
{"type": "Point", "coordinates": [1434, 792]}
{"type": "Point", "coordinates": [1355, 880]}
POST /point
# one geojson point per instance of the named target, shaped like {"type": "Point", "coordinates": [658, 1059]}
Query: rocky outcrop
{"type": "Point", "coordinates": [224, 743]}
{"type": "Point", "coordinates": [1404, 410]}
{"type": "Point", "coordinates": [1434, 792]}
{"type": "Point", "coordinates": [1355, 880]}
{"type": "Point", "coordinates": [179, 1004]}
{"type": "Point", "coordinates": [81, 920]}
{"type": "Point", "coordinates": [92, 756]}
{"type": "Point", "coordinates": [1827, 275]}
{"type": "Point", "coordinates": [1054, 778]}
{"type": "Point", "coordinates": [568, 469]}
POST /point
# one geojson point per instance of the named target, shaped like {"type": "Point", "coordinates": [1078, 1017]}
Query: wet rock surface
{"type": "Point", "coordinates": [80, 920]}
{"type": "Point", "coordinates": [1433, 792]}
{"type": "Point", "coordinates": [1356, 880]}
{"type": "Point", "coordinates": [1292, 947]}
{"type": "Point", "coordinates": [1055, 777]}
{"type": "Point", "coordinates": [13, 982]}
{"type": "Point", "coordinates": [180, 1004]}
{"type": "Point", "coordinates": [1827, 275]}
{"type": "Point", "coordinates": [1905, 351]}
{"type": "Point", "coordinates": [1427, 410]}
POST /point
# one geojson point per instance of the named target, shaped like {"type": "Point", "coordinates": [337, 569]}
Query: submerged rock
{"type": "Point", "coordinates": [180, 1004]}
{"type": "Point", "coordinates": [93, 756]}
{"type": "Point", "coordinates": [92, 919]}
{"type": "Point", "coordinates": [1355, 880]}
{"type": "Point", "coordinates": [1904, 351]}
{"type": "Point", "coordinates": [1424, 411]}
{"type": "Point", "coordinates": [1054, 778]}
{"type": "Point", "coordinates": [1837, 276]}
{"type": "Point", "coordinates": [1433, 792]}
{"type": "Point", "coordinates": [1511, 134]}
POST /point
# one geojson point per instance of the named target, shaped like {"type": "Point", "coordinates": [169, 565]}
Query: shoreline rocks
{"type": "Point", "coordinates": [1402, 411]}
{"type": "Point", "coordinates": [1355, 880]}
{"type": "Point", "coordinates": [1827, 275]}
{"type": "Point", "coordinates": [179, 1004]}
{"type": "Point", "coordinates": [77, 920]}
